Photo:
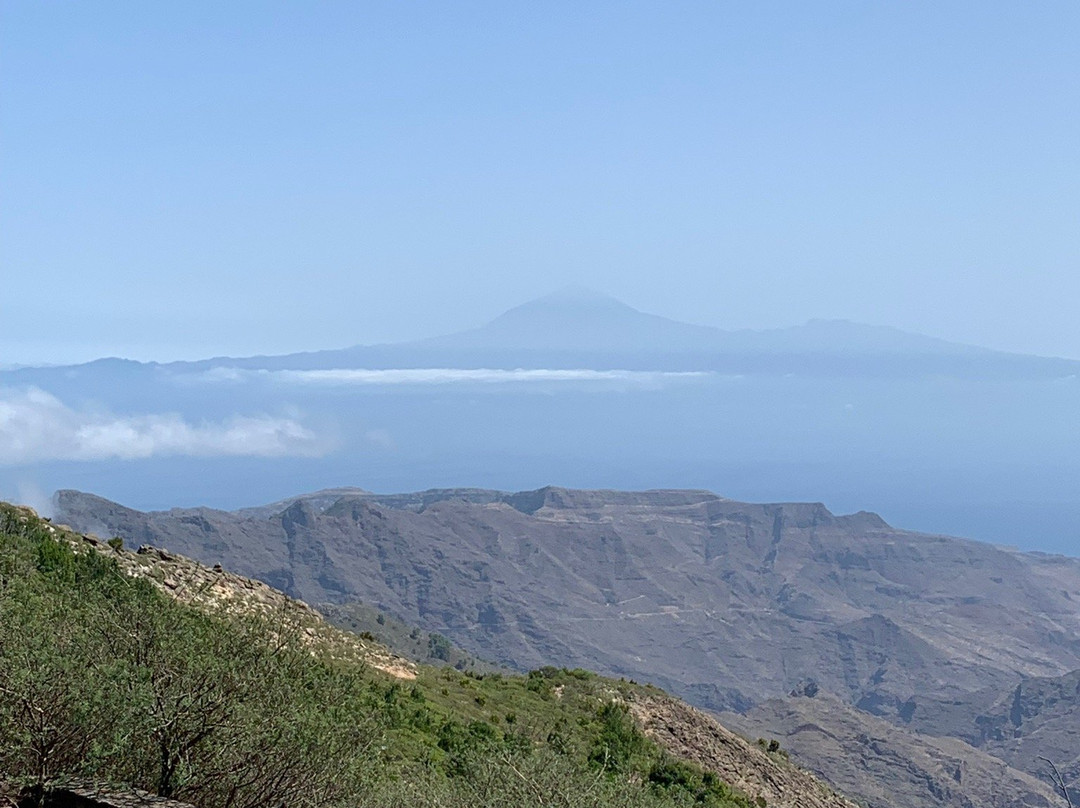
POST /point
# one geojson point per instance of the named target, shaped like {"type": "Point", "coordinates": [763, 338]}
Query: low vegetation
{"type": "Point", "coordinates": [401, 638]}
{"type": "Point", "coordinates": [103, 676]}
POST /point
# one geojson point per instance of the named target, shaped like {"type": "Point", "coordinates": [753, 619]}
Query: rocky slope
{"type": "Point", "coordinates": [215, 589]}
{"type": "Point", "coordinates": [885, 766]}
{"type": "Point", "coordinates": [693, 735]}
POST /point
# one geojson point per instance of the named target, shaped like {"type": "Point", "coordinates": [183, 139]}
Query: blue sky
{"type": "Point", "coordinates": [191, 179]}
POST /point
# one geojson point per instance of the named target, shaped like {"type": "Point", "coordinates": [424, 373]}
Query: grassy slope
{"type": "Point", "coordinates": [102, 674]}
{"type": "Point", "coordinates": [414, 643]}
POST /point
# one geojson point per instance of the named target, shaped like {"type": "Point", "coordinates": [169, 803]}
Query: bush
{"type": "Point", "coordinates": [439, 647]}
{"type": "Point", "coordinates": [702, 788]}
{"type": "Point", "coordinates": [619, 739]}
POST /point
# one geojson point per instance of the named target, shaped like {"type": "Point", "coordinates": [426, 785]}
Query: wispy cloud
{"type": "Point", "coordinates": [423, 376]}
{"type": "Point", "coordinates": [36, 426]}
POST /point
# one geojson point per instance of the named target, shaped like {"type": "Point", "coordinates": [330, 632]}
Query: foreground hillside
{"type": "Point", "coordinates": [145, 669]}
{"type": "Point", "coordinates": [727, 604]}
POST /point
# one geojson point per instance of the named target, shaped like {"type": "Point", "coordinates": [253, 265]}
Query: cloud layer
{"type": "Point", "coordinates": [36, 426]}
{"type": "Point", "coordinates": [424, 376]}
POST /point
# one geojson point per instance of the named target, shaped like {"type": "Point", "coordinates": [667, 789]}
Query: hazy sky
{"type": "Point", "coordinates": [188, 179]}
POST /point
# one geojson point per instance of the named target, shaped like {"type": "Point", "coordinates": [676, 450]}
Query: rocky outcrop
{"type": "Point", "coordinates": [693, 735]}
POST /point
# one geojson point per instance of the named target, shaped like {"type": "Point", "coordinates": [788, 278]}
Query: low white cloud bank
{"type": "Point", "coordinates": [348, 376]}
{"type": "Point", "coordinates": [36, 426]}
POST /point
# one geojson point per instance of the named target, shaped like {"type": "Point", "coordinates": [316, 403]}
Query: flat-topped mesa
{"type": "Point", "coordinates": [558, 498]}
{"type": "Point", "coordinates": [561, 498]}
{"type": "Point", "coordinates": [529, 502]}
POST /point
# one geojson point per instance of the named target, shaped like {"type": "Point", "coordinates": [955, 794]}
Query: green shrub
{"type": "Point", "coordinates": [687, 782]}
{"type": "Point", "coordinates": [439, 647]}
{"type": "Point", "coordinates": [618, 741]}
{"type": "Point", "coordinates": [56, 559]}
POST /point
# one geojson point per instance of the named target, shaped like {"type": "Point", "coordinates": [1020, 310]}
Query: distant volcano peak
{"type": "Point", "coordinates": [575, 297]}
{"type": "Point", "coordinates": [576, 316]}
